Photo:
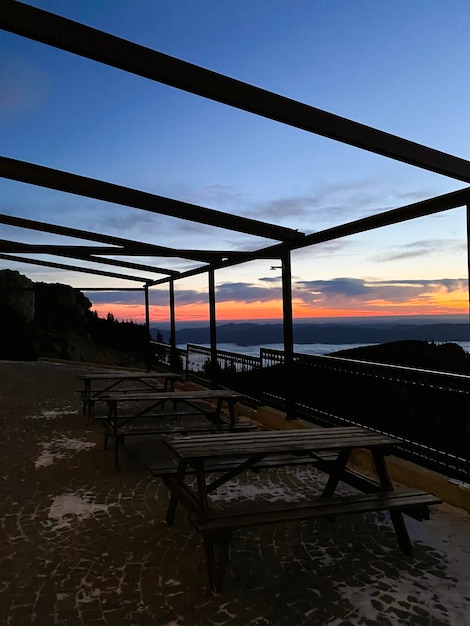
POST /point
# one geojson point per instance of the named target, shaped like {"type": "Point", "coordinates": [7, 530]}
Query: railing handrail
{"type": "Point", "coordinates": [427, 410]}
{"type": "Point", "coordinates": [463, 379]}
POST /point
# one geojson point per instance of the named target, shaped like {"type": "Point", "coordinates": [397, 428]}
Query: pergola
{"type": "Point", "coordinates": [65, 34]}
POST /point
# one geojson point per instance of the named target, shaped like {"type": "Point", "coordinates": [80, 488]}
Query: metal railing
{"type": "Point", "coordinates": [428, 411]}
{"type": "Point", "coordinates": [199, 363]}
{"type": "Point", "coordinates": [162, 355]}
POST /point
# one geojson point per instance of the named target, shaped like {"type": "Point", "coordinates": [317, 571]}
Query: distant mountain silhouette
{"type": "Point", "coordinates": [250, 333]}
{"type": "Point", "coordinates": [447, 357]}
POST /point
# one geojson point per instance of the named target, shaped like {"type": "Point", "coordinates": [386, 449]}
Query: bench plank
{"type": "Point", "coordinates": [232, 518]}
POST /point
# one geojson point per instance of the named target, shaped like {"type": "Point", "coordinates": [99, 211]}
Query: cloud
{"type": "Point", "coordinates": [330, 204]}
{"type": "Point", "coordinates": [422, 248]}
{"type": "Point", "coordinates": [325, 202]}
{"type": "Point", "coordinates": [220, 197]}
{"type": "Point", "coordinates": [349, 290]}
{"type": "Point", "coordinates": [344, 293]}
{"type": "Point", "coordinates": [247, 292]}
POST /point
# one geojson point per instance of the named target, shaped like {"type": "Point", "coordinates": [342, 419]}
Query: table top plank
{"type": "Point", "coordinates": [302, 440]}
{"type": "Point", "coordinates": [172, 395]}
{"type": "Point", "coordinates": [127, 375]}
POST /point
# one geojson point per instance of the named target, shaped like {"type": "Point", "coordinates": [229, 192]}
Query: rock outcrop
{"type": "Point", "coordinates": [56, 321]}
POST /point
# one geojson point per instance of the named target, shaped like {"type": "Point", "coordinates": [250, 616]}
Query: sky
{"type": "Point", "coordinates": [399, 66]}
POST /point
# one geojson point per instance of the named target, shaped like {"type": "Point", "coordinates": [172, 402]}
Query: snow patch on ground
{"type": "Point", "coordinates": [233, 490]}
{"type": "Point", "coordinates": [60, 448]}
{"type": "Point", "coordinates": [445, 594]}
{"type": "Point", "coordinates": [53, 414]}
{"type": "Point", "coordinates": [70, 508]}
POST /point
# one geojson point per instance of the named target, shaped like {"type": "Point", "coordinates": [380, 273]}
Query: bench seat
{"type": "Point", "coordinates": [242, 517]}
{"type": "Point", "coordinates": [217, 526]}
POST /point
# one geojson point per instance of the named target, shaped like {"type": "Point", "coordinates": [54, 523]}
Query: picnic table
{"type": "Point", "coordinates": [146, 418]}
{"type": "Point", "coordinates": [115, 380]}
{"type": "Point", "coordinates": [227, 455]}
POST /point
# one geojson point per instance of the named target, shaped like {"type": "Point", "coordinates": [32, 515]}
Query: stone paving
{"type": "Point", "coordinates": [84, 545]}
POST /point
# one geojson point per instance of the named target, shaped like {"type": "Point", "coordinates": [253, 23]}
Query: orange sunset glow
{"type": "Point", "coordinates": [432, 304]}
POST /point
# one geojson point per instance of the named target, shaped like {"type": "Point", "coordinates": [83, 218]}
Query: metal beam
{"type": "Point", "coordinates": [125, 196]}
{"type": "Point", "coordinates": [84, 253]}
{"type": "Point", "coordinates": [38, 248]}
{"type": "Point", "coordinates": [128, 246]}
{"type": "Point", "coordinates": [139, 289]}
{"type": "Point", "coordinates": [72, 268]}
{"type": "Point", "coordinates": [88, 42]}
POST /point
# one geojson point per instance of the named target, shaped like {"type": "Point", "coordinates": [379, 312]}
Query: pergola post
{"type": "Point", "coordinates": [288, 330]}
{"type": "Point", "coordinates": [174, 360]}
{"type": "Point", "coordinates": [212, 328]}
{"type": "Point", "coordinates": [172, 341]}
{"type": "Point", "coordinates": [147, 326]}
{"type": "Point", "coordinates": [468, 257]}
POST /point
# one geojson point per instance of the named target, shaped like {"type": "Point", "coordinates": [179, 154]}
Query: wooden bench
{"type": "Point", "coordinates": [217, 527]}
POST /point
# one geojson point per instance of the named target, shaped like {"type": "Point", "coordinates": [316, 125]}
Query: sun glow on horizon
{"type": "Point", "coordinates": [433, 304]}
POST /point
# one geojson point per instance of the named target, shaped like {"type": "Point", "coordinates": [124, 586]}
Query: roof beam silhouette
{"type": "Point", "coordinates": [73, 268]}
{"type": "Point", "coordinates": [117, 194]}
{"type": "Point", "coordinates": [85, 253]}
{"type": "Point", "coordinates": [126, 246]}
{"type": "Point", "coordinates": [91, 43]}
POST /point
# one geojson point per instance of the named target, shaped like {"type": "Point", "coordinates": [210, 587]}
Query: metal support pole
{"type": "Point", "coordinates": [147, 327]}
{"type": "Point", "coordinates": [213, 328]}
{"type": "Point", "coordinates": [175, 363]}
{"type": "Point", "coordinates": [288, 329]}
{"type": "Point", "coordinates": [172, 341]}
{"type": "Point", "coordinates": [468, 257]}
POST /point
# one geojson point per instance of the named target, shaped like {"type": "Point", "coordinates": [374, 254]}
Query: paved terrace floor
{"type": "Point", "coordinates": [82, 544]}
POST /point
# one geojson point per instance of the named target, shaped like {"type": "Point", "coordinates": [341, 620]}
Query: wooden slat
{"type": "Point", "coordinates": [208, 446]}
{"type": "Point", "coordinates": [210, 394]}
{"type": "Point", "coordinates": [284, 512]}
{"type": "Point", "coordinates": [127, 376]}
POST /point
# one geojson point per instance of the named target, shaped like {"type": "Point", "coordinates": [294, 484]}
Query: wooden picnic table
{"type": "Point", "coordinates": [149, 412]}
{"type": "Point", "coordinates": [112, 381]}
{"type": "Point", "coordinates": [230, 454]}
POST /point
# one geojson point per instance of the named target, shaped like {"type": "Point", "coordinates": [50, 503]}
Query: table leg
{"type": "Point", "coordinates": [114, 422]}
{"type": "Point", "coordinates": [202, 490]}
{"type": "Point", "coordinates": [396, 516]}
{"type": "Point", "coordinates": [337, 473]}
{"type": "Point", "coordinates": [216, 567]}
{"type": "Point", "coordinates": [86, 395]}
{"type": "Point", "coordinates": [170, 514]}
{"type": "Point", "coordinates": [231, 411]}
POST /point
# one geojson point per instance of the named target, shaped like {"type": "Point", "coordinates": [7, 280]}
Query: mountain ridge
{"type": "Point", "coordinates": [252, 333]}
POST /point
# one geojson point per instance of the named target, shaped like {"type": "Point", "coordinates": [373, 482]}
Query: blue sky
{"type": "Point", "coordinates": [399, 66]}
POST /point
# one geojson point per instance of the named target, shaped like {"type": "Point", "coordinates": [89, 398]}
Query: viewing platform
{"type": "Point", "coordinates": [86, 544]}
